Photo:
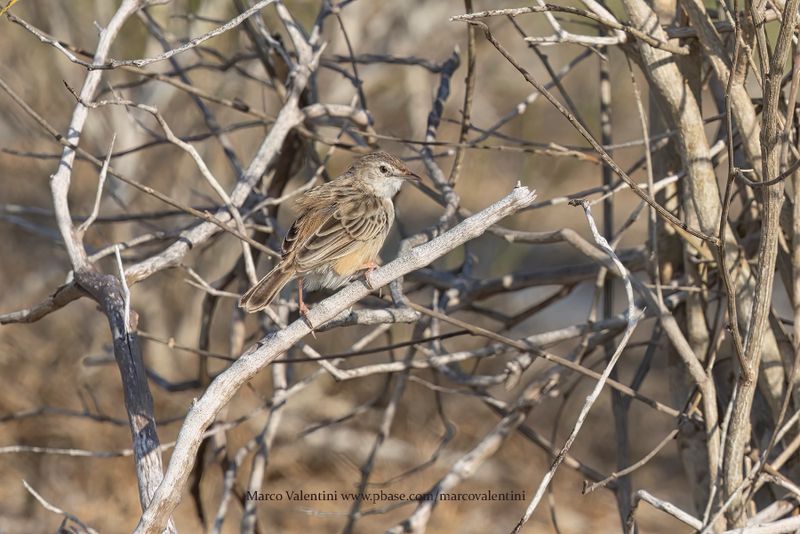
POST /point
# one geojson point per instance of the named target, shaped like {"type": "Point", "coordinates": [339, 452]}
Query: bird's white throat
{"type": "Point", "coordinates": [386, 187]}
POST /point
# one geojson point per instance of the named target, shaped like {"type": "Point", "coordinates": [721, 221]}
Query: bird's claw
{"type": "Point", "coordinates": [304, 314]}
{"type": "Point", "coordinates": [368, 280]}
{"type": "Point", "coordinates": [370, 267]}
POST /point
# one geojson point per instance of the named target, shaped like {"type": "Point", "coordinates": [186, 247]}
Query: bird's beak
{"type": "Point", "coordinates": [413, 178]}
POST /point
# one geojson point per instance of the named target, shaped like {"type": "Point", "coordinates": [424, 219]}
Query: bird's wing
{"type": "Point", "coordinates": [324, 235]}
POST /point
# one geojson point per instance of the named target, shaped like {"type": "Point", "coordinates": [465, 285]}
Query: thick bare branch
{"type": "Point", "coordinates": [228, 383]}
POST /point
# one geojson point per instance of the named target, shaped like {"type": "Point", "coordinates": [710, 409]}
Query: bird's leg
{"type": "Point", "coordinates": [302, 306]}
{"type": "Point", "coordinates": [369, 267]}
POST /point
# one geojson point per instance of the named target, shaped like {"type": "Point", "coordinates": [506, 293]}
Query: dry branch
{"type": "Point", "coordinates": [722, 103]}
{"type": "Point", "coordinates": [222, 389]}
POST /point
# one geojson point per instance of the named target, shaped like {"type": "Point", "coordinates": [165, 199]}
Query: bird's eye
{"type": "Point", "coordinates": [384, 169]}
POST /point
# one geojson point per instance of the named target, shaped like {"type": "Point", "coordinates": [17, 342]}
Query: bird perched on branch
{"type": "Point", "coordinates": [340, 231]}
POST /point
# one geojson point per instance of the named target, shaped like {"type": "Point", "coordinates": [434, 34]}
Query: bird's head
{"type": "Point", "coordinates": [383, 173]}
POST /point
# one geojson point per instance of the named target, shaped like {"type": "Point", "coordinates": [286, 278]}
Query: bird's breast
{"type": "Point", "coordinates": [359, 258]}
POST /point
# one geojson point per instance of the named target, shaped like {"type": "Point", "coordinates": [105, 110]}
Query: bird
{"type": "Point", "coordinates": [339, 231]}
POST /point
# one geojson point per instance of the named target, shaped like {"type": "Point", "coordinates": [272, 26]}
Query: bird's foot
{"type": "Point", "coordinates": [304, 310]}
{"type": "Point", "coordinates": [368, 269]}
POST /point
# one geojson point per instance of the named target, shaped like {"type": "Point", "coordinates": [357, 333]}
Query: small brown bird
{"type": "Point", "coordinates": [340, 230]}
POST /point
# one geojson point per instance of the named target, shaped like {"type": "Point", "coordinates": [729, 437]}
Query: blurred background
{"type": "Point", "coordinates": [61, 388]}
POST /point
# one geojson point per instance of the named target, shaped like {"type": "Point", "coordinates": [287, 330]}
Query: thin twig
{"type": "Point", "coordinates": [679, 225]}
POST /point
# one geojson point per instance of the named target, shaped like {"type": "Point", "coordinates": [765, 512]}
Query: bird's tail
{"type": "Point", "coordinates": [260, 295]}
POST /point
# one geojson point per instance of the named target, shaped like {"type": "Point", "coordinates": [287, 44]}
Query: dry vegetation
{"type": "Point", "coordinates": [641, 381]}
